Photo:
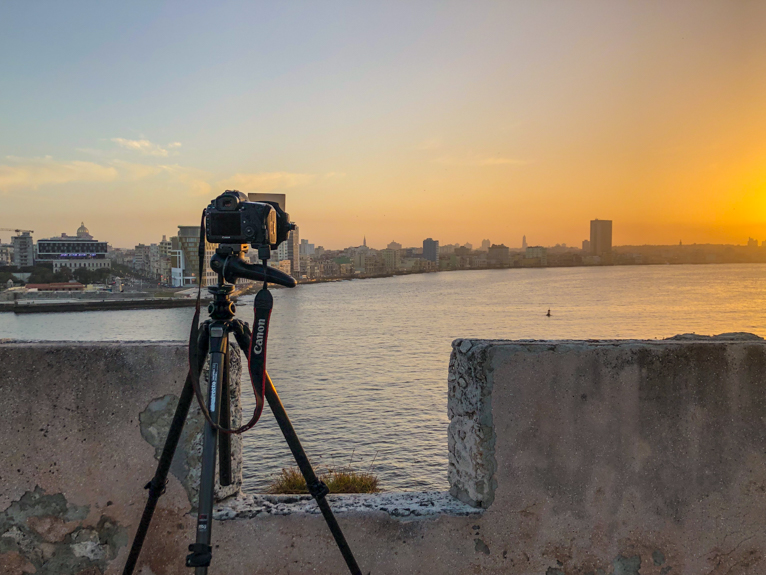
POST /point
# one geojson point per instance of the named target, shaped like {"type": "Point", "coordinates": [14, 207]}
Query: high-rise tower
{"type": "Point", "coordinates": [601, 237]}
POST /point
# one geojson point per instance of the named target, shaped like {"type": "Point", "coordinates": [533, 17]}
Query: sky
{"type": "Point", "coordinates": [399, 121]}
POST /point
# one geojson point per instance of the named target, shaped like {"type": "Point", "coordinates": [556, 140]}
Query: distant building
{"type": "Point", "coordinates": [523, 242]}
{"type": "Point", "coordinates": [391, 259]}
{"type": "Point", "coordinates": [535, 255]}
{"type": "Point", "coordinates": [23, 250]}
{"type": "Point", "coordinates": [431, 250]}
{"type": "Point", "coordinates": [498, 256]}
{"type": "Point", "coordinates": [394, 246]}
{"type": "Point", "coordinates": [484, 245]}
{"type": "Point", "coordinates": [187, 241]}
{"type": "Point", "coordinates": [73, 252]}
{"type": "Point", "coordinates": [468, 246]}
{"type": "Point", "coordinates": [164, 271]}
{"type": "Point", "coordinates": [752, 243]}
{"type": "Point", "coordinates": [142, 259]}
{"type": "Point", "coordinates": [307, 249]}
{"type": "Point", "coordinates": [360, 262]}
{"type": "Point", "coordinates": [6, 254]}
{"type": "Point", "coordinates": [600, 237]}
{"type": "Point", "coordinates": [586, 246]}
{"type": "Point", "coordinates": [290, 250]}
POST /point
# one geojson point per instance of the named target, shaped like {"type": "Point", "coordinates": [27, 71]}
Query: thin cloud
{"type": "Point", "coordinates": [32, 173]}
{"type": "Point", "coordinates": [479, 161]}
{"type": "Point", "coordinates": [265, 181]}
{"type": "Point", "coordinates": [144, 147]}
{"type": "Point", "coordinates": [131, 171]}
{"type": "Point", "coordinates": [502, 162]}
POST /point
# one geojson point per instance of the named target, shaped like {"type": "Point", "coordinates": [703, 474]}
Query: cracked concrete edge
{"type": "Point", "coordinates": [405, 505]}
{"type": "Point", "coordinates": [471, 434]}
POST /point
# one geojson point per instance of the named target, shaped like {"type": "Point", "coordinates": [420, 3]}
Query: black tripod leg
{"type": "Point", "coordinates": [156, 486]}
{"type": "Point", "coordinates": [224, 439]}
{"type": "Point", "coordinates": [316, 487]}
{"type": "Point", "coordinates": [201, 550]}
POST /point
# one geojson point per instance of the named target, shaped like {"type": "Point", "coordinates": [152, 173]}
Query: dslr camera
{"type": "Point", "coordinates": [232, 219]}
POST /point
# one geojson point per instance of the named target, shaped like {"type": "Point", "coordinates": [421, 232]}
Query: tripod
{"type": "Point", "coordinates": [213, 342]}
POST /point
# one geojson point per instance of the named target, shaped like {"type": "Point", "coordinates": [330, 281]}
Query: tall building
{"type": "Point", "coordinates": [6, 254]}
{"type": "Point", "coordinates": [523, 242]}
{"type": "Point", "coordinates": [484, 246]}
{"type": "Point", "coordinates": [142, 259]}
{"type": "Point", "coordinates": [431, 250]}
{"type": "Point", "coordinates": [394, 246]}
{"type": "Point", "coordinates": [188, 242]}
{"type": "Point", "coordinates": [586, 246]}
{"type": "Point", "coordinates": [307, 249]}
{"type": "Point", "coordinates": [601, 237]}
{"type": "Point", "coordinates": [164, 267]}
{"type": "Point", "coordinates": [498, 256]}
{"type": "Point", "coordinates": [391, 259]}
{"type": "Point", "coordinates": [290, 250]}
{"type": "Point", "coordinates": [537, 254]}
{"type": "Point", "coordinates": [73, 252]}
{"type": "Point", "coordinates": [23, 250]}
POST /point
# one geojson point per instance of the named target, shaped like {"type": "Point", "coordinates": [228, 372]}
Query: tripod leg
{"type": "Point", "coordinates": [156, 486]}
{"type": "Point", "coordinates": [224, 439]}
{"type": "Point", "coordinates": [316, 487]}
{"type": "Point", "coordinates": [201, 551]}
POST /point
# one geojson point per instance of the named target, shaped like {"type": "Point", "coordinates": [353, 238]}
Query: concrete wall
{"type": "Point", "coordinates": [631, 457]}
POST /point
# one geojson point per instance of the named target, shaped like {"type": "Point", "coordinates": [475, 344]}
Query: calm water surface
{"type": "Point", "coordinates": [362, 365]}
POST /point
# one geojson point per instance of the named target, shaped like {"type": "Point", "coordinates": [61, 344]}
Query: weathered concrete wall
{"type": "Point", "coordinates": [80, 427]}
{"type": "Point", "coordinates": [631, 457]}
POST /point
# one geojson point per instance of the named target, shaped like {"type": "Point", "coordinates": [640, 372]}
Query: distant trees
{"type": "Point", "coordinates": [86, 276]}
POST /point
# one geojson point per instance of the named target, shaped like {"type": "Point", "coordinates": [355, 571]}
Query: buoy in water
{"type": "Point", "coordinates": [548, 314]}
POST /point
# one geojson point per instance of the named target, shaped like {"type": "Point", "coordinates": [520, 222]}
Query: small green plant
{"type": "Point", "coordinates": [342, 480]}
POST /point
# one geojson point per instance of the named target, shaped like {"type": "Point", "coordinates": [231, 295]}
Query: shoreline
{"type": "Point", "coordinates": [101, 305]}
{"type": "Point", "coordinates": [49, 306]}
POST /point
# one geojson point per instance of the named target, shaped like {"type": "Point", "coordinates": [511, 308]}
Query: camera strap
{"type": "Point", "coordinates": [256, 354]}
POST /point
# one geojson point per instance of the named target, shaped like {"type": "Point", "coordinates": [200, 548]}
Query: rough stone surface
{"type": "Point", "coordinates": [471, 435]}
{"type": "Point", "coordinates": [403, 505]}
{"type": "Point", "coordinates": [46, 534]}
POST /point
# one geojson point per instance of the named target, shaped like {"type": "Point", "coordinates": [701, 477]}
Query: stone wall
{"type": "Point", "coordinates": [569, 457]}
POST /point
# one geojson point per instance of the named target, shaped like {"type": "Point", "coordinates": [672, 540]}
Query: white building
{"type": "Point", "coordinates": [74, 252]}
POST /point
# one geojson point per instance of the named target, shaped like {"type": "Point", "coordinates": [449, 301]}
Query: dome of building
{"type": "Point", "coordinates": [82, 231]}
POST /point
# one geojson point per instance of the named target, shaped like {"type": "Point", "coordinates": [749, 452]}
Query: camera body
{"type": "Point", "coordinates": [232, 219]}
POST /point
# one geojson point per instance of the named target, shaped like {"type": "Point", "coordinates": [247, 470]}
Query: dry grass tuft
{"type": "Point", "coordinates": [342, 480]}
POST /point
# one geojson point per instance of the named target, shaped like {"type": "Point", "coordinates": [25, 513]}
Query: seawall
{"type": "Point", "coordinates": [565, 457]}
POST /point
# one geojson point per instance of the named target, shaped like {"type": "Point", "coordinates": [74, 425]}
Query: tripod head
{"type": "Point", "coordinates": [229, 263]}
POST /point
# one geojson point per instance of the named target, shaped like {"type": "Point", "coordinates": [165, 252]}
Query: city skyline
{"type": "Point", "coordinates": [454, 122]}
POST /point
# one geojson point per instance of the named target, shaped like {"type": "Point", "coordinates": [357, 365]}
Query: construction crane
{"type": "Point", "coordinates": [17, 231]}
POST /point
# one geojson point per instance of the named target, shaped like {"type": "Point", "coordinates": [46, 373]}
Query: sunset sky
{"type": "Point", "coordinates": [395, 120]}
